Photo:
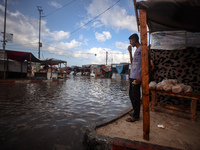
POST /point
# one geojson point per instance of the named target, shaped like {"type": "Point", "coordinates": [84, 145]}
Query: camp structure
{"type": "Point", "coordinates": [16, 64]}
{"type": "Point", "coordinates": [52, 69]}
{"type": "Point", "coordinates": [120, 71]}
{"type": "Point", "coordinates": [174, 36]}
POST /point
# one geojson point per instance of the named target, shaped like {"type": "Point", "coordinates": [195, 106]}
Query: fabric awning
{"type": "Point", "coordinates": [170, 15]}
{"type": "Point", "coordinates": [21, 56]}
{"type": "Point", "coordinates": [52, 61]}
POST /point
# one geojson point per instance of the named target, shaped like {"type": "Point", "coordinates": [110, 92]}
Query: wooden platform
{"type": "Point", "coordinates": [193, 97]}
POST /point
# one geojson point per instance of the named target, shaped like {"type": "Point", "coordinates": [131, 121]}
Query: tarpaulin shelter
{"type": "Point", "coordinates": [162, 15]}
{"type": "Point", "coordinates": [119, 68]}
{"type": "Point", "coordinates": [169, 15]}
{"type": "Point", "coordinates": [52, 61]}
{"type": "Point", "coordinates": [21, 56]}
{"type": "Point", "coordinates": [17, 56]}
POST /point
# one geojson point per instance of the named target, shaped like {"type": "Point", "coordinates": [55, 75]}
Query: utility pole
{"type": "Point", "coordinates": [4, 39]}
{"type": "Point", "coordinates": [40, 44]}
{"type": "Point", "coordinates": [106, 55]}
{"type": "Point", "coordinates": [4, 34]}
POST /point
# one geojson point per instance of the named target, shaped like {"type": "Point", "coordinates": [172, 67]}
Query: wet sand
{"type": "Point", "coordinates": [179, 132]}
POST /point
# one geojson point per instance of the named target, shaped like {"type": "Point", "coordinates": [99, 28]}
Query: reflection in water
{"type": "Point", "coordinates": [55, 115]}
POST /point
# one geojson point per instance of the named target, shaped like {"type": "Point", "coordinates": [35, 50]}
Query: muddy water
{"type": "Point", "coordinates": [54, 115]}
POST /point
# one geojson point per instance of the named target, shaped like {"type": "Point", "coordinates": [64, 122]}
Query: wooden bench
{"type": "Point", "coordinates": [191, 96]}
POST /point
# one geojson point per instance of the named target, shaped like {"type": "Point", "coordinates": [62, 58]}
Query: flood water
{"type": "Point", "coordinates": [48, 116]}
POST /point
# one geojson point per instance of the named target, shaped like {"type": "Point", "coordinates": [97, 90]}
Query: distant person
{"type": "Point", "coordinates": [135, 77]}
{"type": "Point", "coordinates": [46, 67]}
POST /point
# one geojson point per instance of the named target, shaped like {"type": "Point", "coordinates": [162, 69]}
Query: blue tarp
{"type": "Point", "coordinates": [119, 68]}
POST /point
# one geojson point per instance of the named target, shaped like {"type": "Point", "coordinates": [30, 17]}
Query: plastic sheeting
{"type": "Point", "coordinates": [119, 68]}
{"type": "Point", "coordinates": [21, 56]}
{"type": "Point", "coordinates": [168, 15]}
{"type": "Point", "coordinates": [174, 40]}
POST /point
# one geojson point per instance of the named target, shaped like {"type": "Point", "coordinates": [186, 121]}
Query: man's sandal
{"type": "Point", "coordinates": [131, 119]}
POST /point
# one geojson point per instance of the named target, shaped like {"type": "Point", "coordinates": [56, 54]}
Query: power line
{"type": "Point", "coordinates": [79, 27]}
{"type": "Point", "coordinates": [95, 17]}
{"type": "Point", "coordinates": [59, 8]}
{"type": "Point", "coordinates": [22, 44]}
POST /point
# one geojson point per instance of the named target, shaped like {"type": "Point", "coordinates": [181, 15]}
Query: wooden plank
{"type": "Point", "coordinates": [193, 104]}
{"type": "Point", "coordinates": [145, 74]}
{"type": "Point", "coordinates": [170, 92]}
{"type": "Point", "coordinates": [173, 108]}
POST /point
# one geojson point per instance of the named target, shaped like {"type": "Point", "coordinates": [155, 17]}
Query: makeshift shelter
{"type": "Point", "coordinates": [106, 71]}
{"type": "Point", "coordinates": [21, 62]}
{"type": "Point", "coordinates": [13, 62]}
{"type": "Point", "coordinates": [49, 72]}
{"type": "Point", "coordinates": [163, 15]}
{"type": "Point", "coordinates": [21, 56]}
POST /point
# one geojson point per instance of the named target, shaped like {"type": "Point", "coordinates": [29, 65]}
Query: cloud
{"type": "Point", "coordinates": [59, 35]}
{"type": "Point", "coordinates": [121, 45]}
{"type": "Point", "coordinates": [103, 36]}
{"type": "Point", "coordinates": [63, 46]}
{"type": "Point", "coordinates": [114, 56]}
{"type": "Point", "coordinates": [55, 4]}
{"type": "Point", "coordinates": [116, 17]}
{"type": "Point", "coordinates": [25, 30]}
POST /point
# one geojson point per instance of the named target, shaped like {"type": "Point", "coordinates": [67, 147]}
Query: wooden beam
{"type": "Point", "coordinates": [136, 14]}
{"type": "Point", "coordinates": [145, 73]}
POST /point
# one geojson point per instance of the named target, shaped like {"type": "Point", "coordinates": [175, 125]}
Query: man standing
{"type": "Point", "coordinates": [135, 77]}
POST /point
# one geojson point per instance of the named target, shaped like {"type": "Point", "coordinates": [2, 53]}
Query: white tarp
{"type": "Point", "coordinates": [9, 37]}
{"type": "Point", "coordinates": [174, 40]}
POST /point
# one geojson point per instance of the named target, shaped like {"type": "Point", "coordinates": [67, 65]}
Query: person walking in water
{"type": "Point", "coordinates": [135, 77]}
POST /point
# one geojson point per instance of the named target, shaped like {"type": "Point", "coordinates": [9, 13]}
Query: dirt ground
{"type": "Point", "coordinates": [179, 132]}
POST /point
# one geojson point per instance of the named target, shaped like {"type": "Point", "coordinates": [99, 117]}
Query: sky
{"type": "Point", "coordinates": [77, 31]}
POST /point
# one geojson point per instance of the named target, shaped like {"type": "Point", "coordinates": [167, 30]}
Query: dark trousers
{"type": "Point", "coordinates": [134, 94]}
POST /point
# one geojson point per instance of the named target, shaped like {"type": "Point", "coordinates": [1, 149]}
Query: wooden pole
{"type": "Point", "coordinates": [96, 73]}
{"type": "Point", "coordinates": [4, 62]}
{"type": "Point", "coordinates": [21, 70]}
{"type": "Point", "coordinates": [66, 70]}
{"type": "Point", "coordinates": [30, 68]}
{"type": "Point", "coordinates": [136, 14]}
{"type": "Point", "coordinates": [51, 68]}
{"type": "Point", "coordinates": [145, 74]}
{"type": "Point", "coordinates": [7, 64]}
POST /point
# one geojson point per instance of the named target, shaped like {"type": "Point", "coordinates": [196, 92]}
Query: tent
{"type": "Point", "coordinates": [169, 15]}
{"type": "Point", "coordinates": [162, 15]}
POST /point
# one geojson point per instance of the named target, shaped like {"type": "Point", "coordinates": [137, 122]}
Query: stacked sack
{"type": "Point", "coordinates": [170, 85]}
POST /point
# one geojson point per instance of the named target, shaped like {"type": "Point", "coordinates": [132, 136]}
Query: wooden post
{"type": "Point", "coordinates": [30, 70]}
{"type": "Point", "coordinates": [51, 68]}
{"type": "Point", "coordinates": [193, 108]}
{"type": "Point", "coordinates": [66, 70]}
{"type": "Point", "coordinates": [145, 74]}
{"type": "Point", "coordinates": [21, 70]}
{"type": "Point", "coordinates": [96, 73]}
{"type": "Point", "coordinates": [7, 64]}
{"type": "Point", "coordinates": [153, 100]}
{"type": "Point", "coordinates": [136, 14]}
